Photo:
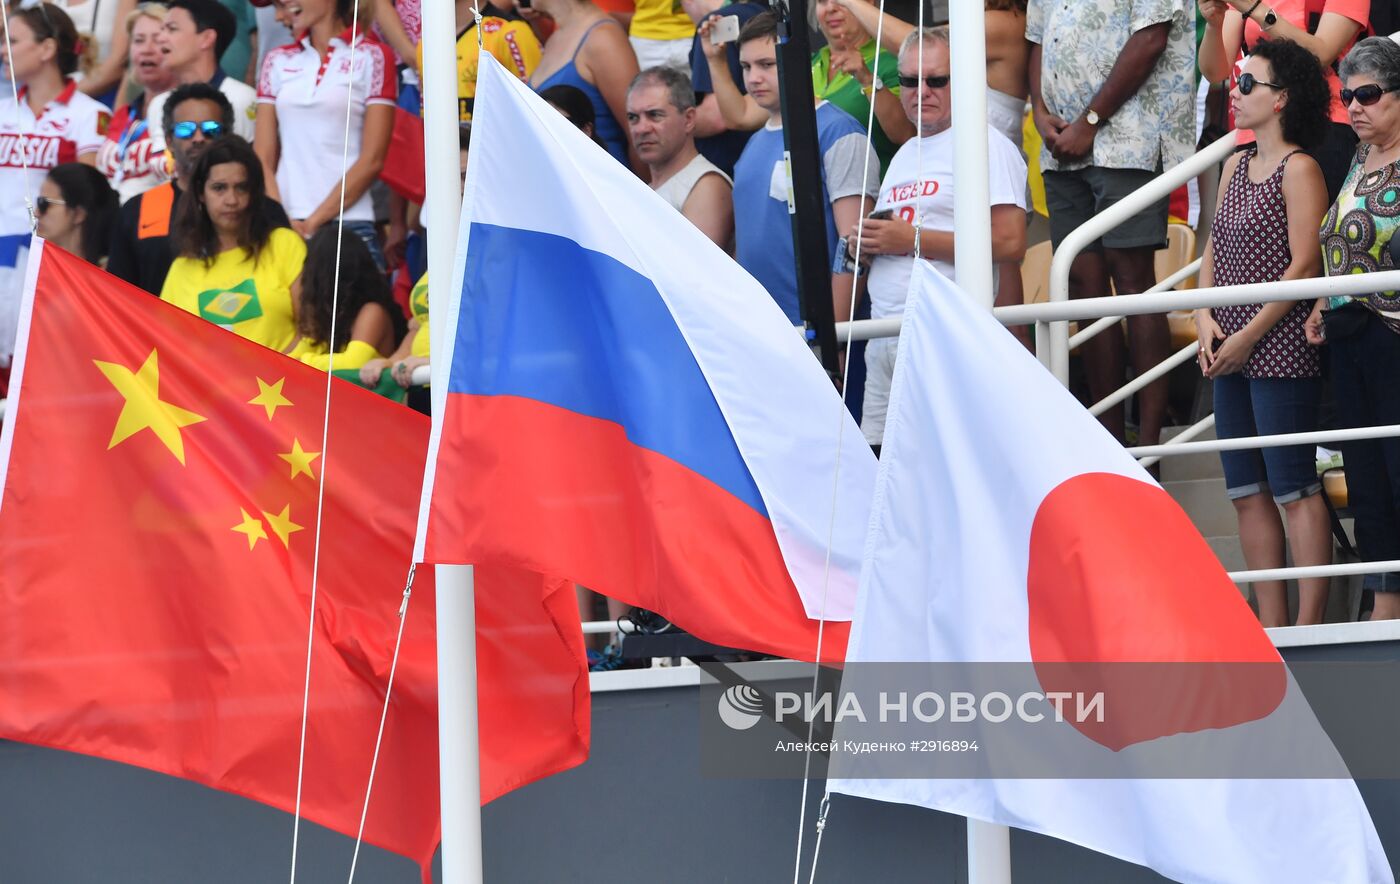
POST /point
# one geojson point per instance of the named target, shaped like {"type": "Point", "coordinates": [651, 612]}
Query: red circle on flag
{"type": "Point", "coordinates": [1126, 598]}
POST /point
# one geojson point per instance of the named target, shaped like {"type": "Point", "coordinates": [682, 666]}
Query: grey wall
{"type": "Point", "coordinates": [638, 811]}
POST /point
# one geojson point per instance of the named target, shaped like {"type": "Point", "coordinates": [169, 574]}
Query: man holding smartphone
{"type": "Point", "coordinates": [914, 214]}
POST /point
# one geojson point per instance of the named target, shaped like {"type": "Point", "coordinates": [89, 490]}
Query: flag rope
{"type": "Point", "coordinates": [412, 568]}
{"type": "Point", "coordinates": [383, 716]}
{"type": "Point", "coordinates": [836, 471]}
{"type": "Point", "coordinates": [821, 827]}
{"type": "Point", "coordinates": [23, 139]}
{"type": "Point", "coordinates": [325, 440]}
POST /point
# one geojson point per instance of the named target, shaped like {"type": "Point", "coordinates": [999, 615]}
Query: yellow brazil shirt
{"type": "Point", "coordinates": [661, 20]}
{"type": "Point", "coordinates": [418, 305]}
{"type": "Point", "coordinates": [513, 44]}
{"type": "Point", "coordinates": [251, 298]}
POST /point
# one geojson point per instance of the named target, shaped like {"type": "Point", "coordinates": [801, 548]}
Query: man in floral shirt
{"type": "Point", "coordinates": [1112, 92]}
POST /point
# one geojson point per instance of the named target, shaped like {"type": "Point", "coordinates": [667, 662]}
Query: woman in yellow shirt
{"type": "Point", "coordinates": [233, 267]}
{"type": "Point", "coordinates": [367, 323]}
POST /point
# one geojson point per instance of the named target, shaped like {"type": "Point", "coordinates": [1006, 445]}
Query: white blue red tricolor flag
{"type": "Point", "coordinates": [618, 403]}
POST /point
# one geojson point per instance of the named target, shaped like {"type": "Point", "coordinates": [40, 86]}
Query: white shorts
{"type": "Point", "coordinates": [879, 372]}
{"type": "Point", "coordinates": [662, 53]}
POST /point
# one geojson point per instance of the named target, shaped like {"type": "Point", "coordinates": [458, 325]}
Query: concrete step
{"type": "Point", "coordinates": [1227, 549]}
{"type": "Point", "coordinates": [1202, 465]}
{"type": "Point", "coordinates": [1206, 505]}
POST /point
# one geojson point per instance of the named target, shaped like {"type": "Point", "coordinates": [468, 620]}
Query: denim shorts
{"type": "Point", "coordinates": [1263, 407]}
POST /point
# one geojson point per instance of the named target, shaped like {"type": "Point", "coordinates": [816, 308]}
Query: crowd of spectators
{"type": "Point", "coordinates": [194, 148]}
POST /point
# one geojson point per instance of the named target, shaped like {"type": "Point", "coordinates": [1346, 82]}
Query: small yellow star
{"type": "Point", "coordinates": [252, 527]}
{"type": "Point", "coordinates": [300, 459]}
{"type": "Point", "coordinates": [144, 409]}
{"type": "Point", "coordinates": [270, 396]}
{"type": "Point", "coordinates": [282, 524]}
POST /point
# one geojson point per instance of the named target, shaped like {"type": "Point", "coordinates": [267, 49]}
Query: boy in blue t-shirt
{"type": "Point", "coordinates": [850, 179]}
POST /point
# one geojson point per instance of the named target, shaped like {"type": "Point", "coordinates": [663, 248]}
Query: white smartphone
{"type": "Point", "coordinates": [725, 30]}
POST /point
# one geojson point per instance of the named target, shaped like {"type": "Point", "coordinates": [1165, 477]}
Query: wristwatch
{"type": "Point", "coordinates": [1092, 118]}
{"type": "Point", "coordinates": [876, 84]}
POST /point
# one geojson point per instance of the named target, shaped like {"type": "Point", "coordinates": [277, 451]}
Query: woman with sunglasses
{"type": "Point", "coordinates": [75, 210]}
{"type": "Point", "coordinates": [234, 267]}
{"type": "Point", "coordinates": [58, 124]}
{"type": "Point", "coordinates": [1326, 28]}
{"type": "Point", "coordinates": [302, 93]}
{"type": "Point", "coordinates": [1363, 333]}
{"type": "Point", "coordinates": [132, 161]}
{"type": "Point", "coordinates": [1267, 379]}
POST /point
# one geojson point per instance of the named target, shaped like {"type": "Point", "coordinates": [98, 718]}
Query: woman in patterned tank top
{"type": "Point", "coordinates": [1363, 333]}
{"type": "Point", "coordinates": [1265, 373]}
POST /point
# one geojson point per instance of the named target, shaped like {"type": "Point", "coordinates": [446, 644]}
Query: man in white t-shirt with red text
{"type": "Point", "coordinates": [918, 190]}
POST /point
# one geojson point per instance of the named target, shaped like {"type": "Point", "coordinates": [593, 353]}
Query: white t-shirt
{"type": "Point", "coordinates": [310, 96]}
{"type": "Point", "coordinates": [243, 97]}
{"type": "Point", "coordinates": [930, 197]}
{"type": "Point", "coordinates": [71, 125]}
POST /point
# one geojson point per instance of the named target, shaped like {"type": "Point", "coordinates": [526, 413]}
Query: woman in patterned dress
{"type": "Point", "coordinates": [1267, 379]}
{"type": "Point", "coordinates": [1364, 332]}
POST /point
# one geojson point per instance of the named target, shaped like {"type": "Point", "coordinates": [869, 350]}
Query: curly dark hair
{"type": "Point", "coordinates": [193, 232]}
{"type": "Point", "coordinates": [1307, 112]}
{"type": "Point", "coordinates": [361, 283]}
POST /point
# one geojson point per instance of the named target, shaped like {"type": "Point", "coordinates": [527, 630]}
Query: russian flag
{"type": "Point", "coordinates": [1064, 556]}
{"type": "Point", "coordinates": [617, 402]}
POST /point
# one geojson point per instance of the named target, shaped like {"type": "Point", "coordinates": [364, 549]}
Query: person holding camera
{"type": "Point", "coordinates": [914, 213]}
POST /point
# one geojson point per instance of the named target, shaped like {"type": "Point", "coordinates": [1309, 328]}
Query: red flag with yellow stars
{"type": "Point", "coordinates": [158, 527]}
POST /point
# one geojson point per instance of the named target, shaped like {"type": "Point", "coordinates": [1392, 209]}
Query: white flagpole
{"type": "Point", "coordinates": [458, 746]}
{"type": "Point", "coordinates": [988, 845]}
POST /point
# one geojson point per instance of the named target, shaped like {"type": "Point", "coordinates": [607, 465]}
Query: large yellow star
{"type": "Point", "coordinates": [144, 409]}
{"type": "Point", "coordinates": [300, 459]}
{"type": "Point", "coordinates": [282, 524]}
{"type": "Point", "coordinates": [252, 527]}
{"type": "Point", "coordinates": [270, 396]}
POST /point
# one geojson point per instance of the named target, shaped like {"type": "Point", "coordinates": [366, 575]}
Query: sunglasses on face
{"type": "Point", "coordinates": [1365, 95]}
{"type": "Point", "coordinates": [43, 204]}
{"type": "Point", "coordinates": [185, 131]}
{"type": "Point", "coordinates": [1247, 82]}
{"type": "Point", "coordinates": [911, 82]}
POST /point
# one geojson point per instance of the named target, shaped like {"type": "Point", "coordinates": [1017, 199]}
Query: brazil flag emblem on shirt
{"type": "Point", "coordinates": [230, 306]}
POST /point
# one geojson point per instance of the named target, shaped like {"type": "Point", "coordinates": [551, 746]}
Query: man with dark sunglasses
{"type": "Point", "coordinates": [196, 115]}
{"type": "Point", "coordinates": [914, 213]}
{"type": "Point", "coordinates": [1112, 94]}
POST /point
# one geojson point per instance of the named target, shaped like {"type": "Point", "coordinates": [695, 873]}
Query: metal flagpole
{"type": "Point", "coordinates": [458, 747]}
{"type": "Point", "coordinates": [988, 845]}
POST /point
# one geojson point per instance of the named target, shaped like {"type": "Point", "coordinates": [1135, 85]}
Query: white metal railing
{"type": "Point", "coordinates": [1113, 308]}
{"type": "Point", "coordinates": [1166, 285]}
{"type": "Point", "coordinates": [1157, 302]}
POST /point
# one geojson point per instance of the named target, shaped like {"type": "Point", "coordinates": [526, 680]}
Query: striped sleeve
{"type": "Point", "coordinates": [270, 78]}
{"type": "Point", "coordinates": [383, 86]}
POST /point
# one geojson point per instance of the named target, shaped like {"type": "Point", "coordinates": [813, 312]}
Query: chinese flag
{"type": "Point", "coordinates": [158, 529]}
